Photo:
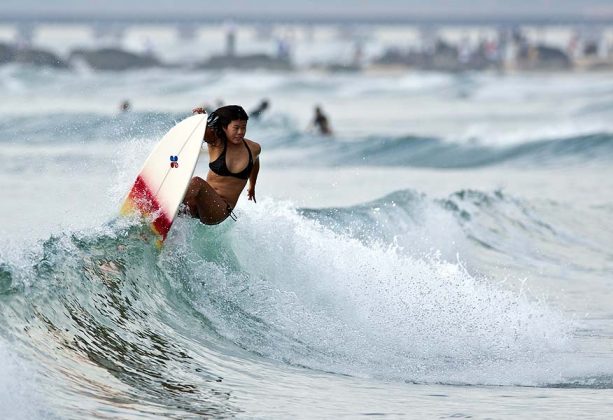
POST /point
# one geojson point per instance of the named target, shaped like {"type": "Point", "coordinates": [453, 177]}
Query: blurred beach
{"type": "Point", "coordinates": [350, 47]}
{"type": "Point", "coordinates": [444, 253]}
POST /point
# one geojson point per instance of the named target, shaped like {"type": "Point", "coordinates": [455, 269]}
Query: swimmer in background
{"type": "Point", "coordinates": [125, 106]}
{"type": "Point", "coordinates": [321, 122]}
{"type": "Point", "coordinates": [261, 108]}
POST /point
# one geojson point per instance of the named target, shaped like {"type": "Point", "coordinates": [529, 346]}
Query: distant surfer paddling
{"type": "Point", "coordinates": [233, 160]}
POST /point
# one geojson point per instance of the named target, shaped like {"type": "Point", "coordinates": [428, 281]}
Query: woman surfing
{"type": "Point", "coordinates": [233, 160]}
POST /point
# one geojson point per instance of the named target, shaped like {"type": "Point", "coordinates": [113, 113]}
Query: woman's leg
{"type": "Point", "coordinates": [204, 203]}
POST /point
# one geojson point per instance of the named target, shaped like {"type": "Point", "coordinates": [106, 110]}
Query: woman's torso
{"type": "Point", "coordinates": [238, 159]}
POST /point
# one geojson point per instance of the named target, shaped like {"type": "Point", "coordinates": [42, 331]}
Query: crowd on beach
{"type": "Point", "coordinates": [502, 49]}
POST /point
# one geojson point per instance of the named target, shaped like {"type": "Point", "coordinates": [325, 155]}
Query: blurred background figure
{"type": "Point", "coordinates": [210, 107]}
{"type": "Point", "coordinates": [260, 109]}
{"type": "Point", "coordinates": [230, 39]}
{"type": "Point", "coordinates": [125, 105]}
{"type": "Point", "coordinates": [283, 48]}
{"type": "Point", "coordinates": [321, 122]}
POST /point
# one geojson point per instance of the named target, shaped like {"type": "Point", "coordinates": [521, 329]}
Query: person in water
{"type": "Point", "coordinates": [125, 106]}
{"type": "Point", "coordinates": [261, 108]}
{"type": "Point", "coordinates": [234, 160]}
{"type": "Point", "coordinates": [321, 122]}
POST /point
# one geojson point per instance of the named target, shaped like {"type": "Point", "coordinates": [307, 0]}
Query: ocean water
{"type": "Point", "coordinates": [446, 254]}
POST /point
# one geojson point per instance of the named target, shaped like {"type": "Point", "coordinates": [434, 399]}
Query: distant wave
{"type": "Point", "coordinates": [81, 128]}
{"type": "Point", "coordinates": [492, 221]}
{"type": "Point", "coordinates": [60, 128]}
{"type": "Point", "coordinates": [423, 152]}
{"type": "Point", "coordinates": [279, 133]}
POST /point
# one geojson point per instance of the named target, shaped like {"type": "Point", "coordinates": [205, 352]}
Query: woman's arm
{"type": "Point", "coordinates": [209, 134]}
{"type": "Point", "coordinates": [253, 177]}
{"type": "Point", "coordinates": [210, 137]}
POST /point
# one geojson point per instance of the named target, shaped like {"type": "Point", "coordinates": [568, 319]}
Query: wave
{"type": "Point", "coordinates": [82, 128]}
{"type": "Point", "coordinates": [423, 152]}
{"type": "Point", "coordinates": [495, 226]}
{"type": "Point", "coordinates": [103, 301]}
{"type": "Point", "coordinates": [70, 128]}
{"type": "Point", "coordinates": [279, 135]}
{"type": "Point", "coordinates": [364, 291]}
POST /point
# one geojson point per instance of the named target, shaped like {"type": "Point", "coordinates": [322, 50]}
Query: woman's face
{"type": "Point", "coordinates": [235, 131]}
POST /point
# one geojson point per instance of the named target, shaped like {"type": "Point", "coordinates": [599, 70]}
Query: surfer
{"type": "Point", "coordinates": [125, 106]}
{"type": "Point", "coordinates": [261, 108]}
{"type": "Point", "coordinates": [234, 160]}
{"type": "Point", "coordinates": [321, 122]}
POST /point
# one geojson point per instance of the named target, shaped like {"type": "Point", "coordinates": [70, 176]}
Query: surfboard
{"type": "Point", "coordinates": [162, 182]}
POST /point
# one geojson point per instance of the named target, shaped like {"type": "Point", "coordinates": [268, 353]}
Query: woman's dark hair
{"type": "Point", "coordinates": [221, 117]}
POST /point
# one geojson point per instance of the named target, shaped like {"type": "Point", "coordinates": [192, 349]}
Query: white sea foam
{"type": "Point", "coordinates": [18, 396]}
{"type": "Point", "coordinates": [342, 305]}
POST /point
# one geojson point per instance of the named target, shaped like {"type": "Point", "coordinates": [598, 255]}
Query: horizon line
{"type": "Point", "coordinates": [486, 19]}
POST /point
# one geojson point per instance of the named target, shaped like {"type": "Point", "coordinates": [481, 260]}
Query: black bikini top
{"type": "Point", "coordinates": [220, 168]}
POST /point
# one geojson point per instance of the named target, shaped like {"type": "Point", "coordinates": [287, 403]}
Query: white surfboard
{"type": "Point", "coordinates": [162, 182]}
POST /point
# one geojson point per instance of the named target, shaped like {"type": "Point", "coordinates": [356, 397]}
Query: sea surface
{"type": "Point", "coordinates": [446, 254]}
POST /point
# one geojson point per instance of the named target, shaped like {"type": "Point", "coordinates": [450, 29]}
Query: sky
{"type": "Point", "coordinates": [312, 8]}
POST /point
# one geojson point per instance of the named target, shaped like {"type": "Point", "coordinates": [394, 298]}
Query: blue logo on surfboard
{"type": "Point", "coordinates": [174, 161]}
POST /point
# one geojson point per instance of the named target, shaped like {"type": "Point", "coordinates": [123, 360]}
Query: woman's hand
{"type": "Point", "coordinates": [198, 110]}
{"type": "Point", "coordinates": [251, 194]}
